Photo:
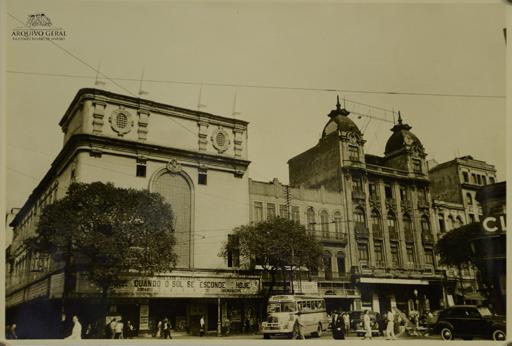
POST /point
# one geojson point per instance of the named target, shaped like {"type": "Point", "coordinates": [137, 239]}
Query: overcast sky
{"type": "Point", "coordinates": [455, 48]}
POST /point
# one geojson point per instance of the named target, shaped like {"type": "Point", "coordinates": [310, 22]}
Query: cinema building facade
{"type": "Point", "coordinates": [197, 161]}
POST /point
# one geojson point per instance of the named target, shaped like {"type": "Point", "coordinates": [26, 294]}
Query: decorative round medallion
{"type": "Point", "coordinates": [174, 166]}
{"type": "Point", "coordinates": [121, 121]}
{"type": "Point", "coordinates": [408, 140]}
{"type": "Point", "coordinates": [220, 140]}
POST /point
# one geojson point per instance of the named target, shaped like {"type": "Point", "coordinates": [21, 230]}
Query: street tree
{"type": "Point", "coordinates": [105, 232]}
{"type": "Point", "coordinates": [277, 246]}
{"type": "Point", "coordinates": [453, 248]}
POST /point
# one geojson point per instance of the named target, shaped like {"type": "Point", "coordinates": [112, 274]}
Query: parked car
{"type": "Point", "coordinates": [356, 322]}
{"type": "Point", "coordinates": [469, 321]}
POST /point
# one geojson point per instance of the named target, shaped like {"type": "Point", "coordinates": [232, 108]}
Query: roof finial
{"type": "Point", "coordinates": [399, 118]}
{"type": "Point", "coordinates": [338, 105]}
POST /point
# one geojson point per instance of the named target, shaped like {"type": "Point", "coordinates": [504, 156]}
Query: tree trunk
{"type": "Point", "coordinates": [103, 311]}
{"type": "Point", "coordinates": [461, 283]}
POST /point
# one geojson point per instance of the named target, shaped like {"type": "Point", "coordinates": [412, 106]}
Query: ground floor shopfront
{"type": "Point", "coordinates": [183, 298]}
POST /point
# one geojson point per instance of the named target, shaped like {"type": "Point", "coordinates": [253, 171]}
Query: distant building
{"type": "Point", "coordinates": [386, 213]}
{"type": "Point", "coordinates": [454, 186]}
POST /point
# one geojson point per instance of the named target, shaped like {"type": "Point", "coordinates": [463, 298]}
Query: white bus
{"type": "Point", "coordinates": [283, 311]}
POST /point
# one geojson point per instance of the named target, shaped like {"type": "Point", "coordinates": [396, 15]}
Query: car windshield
{"type": "Point", "coordinates": [484, 311]}
{"type": "Point", "coordinates": [281, 307]}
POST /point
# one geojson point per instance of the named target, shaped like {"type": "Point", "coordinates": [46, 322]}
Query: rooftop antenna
{"type": "Point", "coordinates": [97, 81]}
{"type": "Point", "coordinates": [199, 104]}
{"type": "Point", "coordinates": [236, 112]}
{"type": "Point", "coordinates": [142, 92]}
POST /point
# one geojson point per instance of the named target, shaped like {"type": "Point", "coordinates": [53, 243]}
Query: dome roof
{"type": "Point", "coordinates": [401, 137]}
{"type": "Point", "coordinates": [339, 121]}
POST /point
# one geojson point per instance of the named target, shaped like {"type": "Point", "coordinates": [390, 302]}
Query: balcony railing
{"type": "Point", "coordinates": [393, 234]}
{"type": "Point", "coordinates": [361, 230]}
{"type": "Point", "coordinates": [332, 276]}
{"type": "Point", "coordinates": [377, 231]}
{"type": "Point", "coordinates": [409, 236]}
{"type": "Point", "coordinates": [332, 237]}
{"type": "Point", "coordinates": [427, 238]}
{"type": "Point", "coordinates": [357, 194]}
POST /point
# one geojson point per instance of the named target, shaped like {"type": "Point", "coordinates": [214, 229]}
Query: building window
{"type": "Point", "coordinates": [258, 211]}
{"type": "Point", "coordinates": [403, 193]}
{"type": "Point", "coordinates": [416, 166]}
{"type": "Point", "coordinates": [234, 251]}
{"type": "Point", "coordinates": [491, 180]}
{"type": "Point", "coordinates": [465, 176]}
{"type": "Point", "coordinates": [357, 184]}
{"type": "Point", "coordinates": [391, 222]}
{"type": "Point", "coordinates": [310, 216]}
{"type": "Point", "coordinates": [379, 253]}
{"type": "Point", "coordinates": [388, 191]}
{"type": "Point", "coordinates": [459, 222]}
{"type": "Point", "coordinates": [473, 178]}
{"type": "Point", "coordinates": [324, 220]}
{"type": "Point", "coordinates": [271, 211]}
{"type": "Point", "coordinates": [340, 259]}
{"type": "Point", "coordinates": [73, 176]}
{"type": "Point", "coordinates": [410, 254]}
{"type": "Point", "coordinates": [422, 195]}
{"type": "Point", "coordinates": [376, 224]}
{"type": "Point", "coordinates": [337, 225]}
{"type": "Point", "coordinates": [202, 177]}
{"type": "Point", "coordinates": [484, 179]}
{"type": "Point", "coordinates": [295, 214]}
{"type": "Point", "coordinates": [429, 256]}
{"type": "Point", "coordinates": [395, 254]}
{"type": "Point", "coordinates": [283, 211]}
{"type": "Point", "coordinates": [363, 252]}
{"type": "Point", "coordinates": [479, 179]}
{"type": "Point", "coordinates": [451, 223]}
{"type": "Point", "coordinates": [374, 192]}
{"type": "Point", "coordinates": [472, 217]}
{"type": "Point", "coordinates": [359, 219]}
{"type": "Point", "coordinates": [407, 224]}
{"type": "Point", "coordinates": [353, 153]}
{"type": "Point", "coordinates": [469, 199]}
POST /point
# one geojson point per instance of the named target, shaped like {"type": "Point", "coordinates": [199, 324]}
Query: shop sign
{"type": "Point", "coordinates": [15, 299]}
{"type": "Point", "coordinates": [493, 224]}
{"type": "Point", "coordinates": [144, 317]}
{"type": "Point", "coordinates": [306, 287]}
{"type": "Point", "coordinates": [39, 289]}
{"type": "Point", "coordinates": [56, 285]}
{"type": "Point", "coordinates": [176, 286]}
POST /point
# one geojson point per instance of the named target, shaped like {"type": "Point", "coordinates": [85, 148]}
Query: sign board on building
{"type": "Point", "coordinates": [495, 224]}
{"type": "Point", "coordinates": [39, 289]}
{"type": "Point", "coordinates": [306, 287]}
{"type": "Point", "coordinates": [177, 286]}
{"type": "Point", "coordinates": [56, 285]}
{"type": "Point", "coordinates": [144, 317]}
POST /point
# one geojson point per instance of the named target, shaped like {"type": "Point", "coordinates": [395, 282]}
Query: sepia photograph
{"type": "Point", "coordinates": [241, 172]}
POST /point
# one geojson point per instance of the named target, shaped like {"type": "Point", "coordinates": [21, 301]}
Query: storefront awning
{"type": "Point", "coordinates": [393, 281]}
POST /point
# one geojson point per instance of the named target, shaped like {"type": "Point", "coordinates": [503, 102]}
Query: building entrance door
{"type": "Point", "coordinates": [212, 317]}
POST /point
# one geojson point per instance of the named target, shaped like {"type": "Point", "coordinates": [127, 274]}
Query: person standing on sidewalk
{"type": "Point", "coordinates": [201, 326]}
{"type": "Point", "coordinates": [300, 326]}
{"type": "Point", "coordinates": [76, 332]}
{"type": "Point", "coordinates": [390, 328]}
{"type": "Point", "coordinates": [367, 325]}
{"type": "Point", "coordinates": [346, 321]}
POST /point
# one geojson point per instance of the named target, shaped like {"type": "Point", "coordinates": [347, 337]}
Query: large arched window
{"type": "Point", "coordinates": [177, 191]}
{"type": "Point", "coordinates": [337, 225]}
{"type": "Point", "coordinates": [442, 225]}
{"type": "Point", "coordinates": [310, 218]}
{"type": "Point", "coordinates": [451, 223]}
{"type": "Point", "coordinates": [425, 225]}
{"type": "Point", "coordinates": [459, 222]}
{"type": "Point", "coordinates": [407, 223]}
{"type": "Point", "coordinates": [469, 199]}
{"type": "Point", "coordinates": [376, 223]}
{"type": "Point", "coordinates": [324, 220]}
{"type": "Point", "coordinates": [391, 221]}
{"type": "Point", "coordinates": [359, 218]}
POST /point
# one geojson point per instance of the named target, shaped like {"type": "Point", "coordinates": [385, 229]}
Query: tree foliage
{"type": "Point", "coordinates": [275, 245]}
{"type": "Point", "coordinates": [453, 247]}
{"type": "Point", "coordinates": [107, 231]}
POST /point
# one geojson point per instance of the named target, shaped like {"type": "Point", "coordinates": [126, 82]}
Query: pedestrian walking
{"type": "Point", "coordinates": [76, 332]}
{"type": "Point", "coordinates": [227, 325]}
{"type": "Point", "coordinates": [300, 326]}
{"type": "Point", "coordinates": [118, 330]}
{"type": "Point", "coordinates": [112, 328]}
{"type": "Point", "coordinates": [346, 322]}
{"type": "Point", "coordinates": [367, 325]}
{"type": "Point", "coordinates": [10, 332]}
{"type": "Point", "coordinates": [166, 329]}
{"type": "Point", "coordinates": [390, 328]}
{"type": "Point", "coordinates": [338, 327]}
{"type": "Point", "coordinates": [129, 330]}
{"type": "Point", "coordinates": [201, 326]}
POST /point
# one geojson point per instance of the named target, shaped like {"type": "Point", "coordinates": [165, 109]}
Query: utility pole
{"type": "Point", "coordinates": [288, 214]}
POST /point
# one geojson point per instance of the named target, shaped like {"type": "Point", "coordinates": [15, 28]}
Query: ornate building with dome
{"type": "Point", "coordinates": [378, 233]}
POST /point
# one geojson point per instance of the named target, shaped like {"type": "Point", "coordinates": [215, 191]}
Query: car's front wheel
{"type": "Point", "coordinates": [446, 333]}
{"type": "Point", "coordinates": [498, 335]}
